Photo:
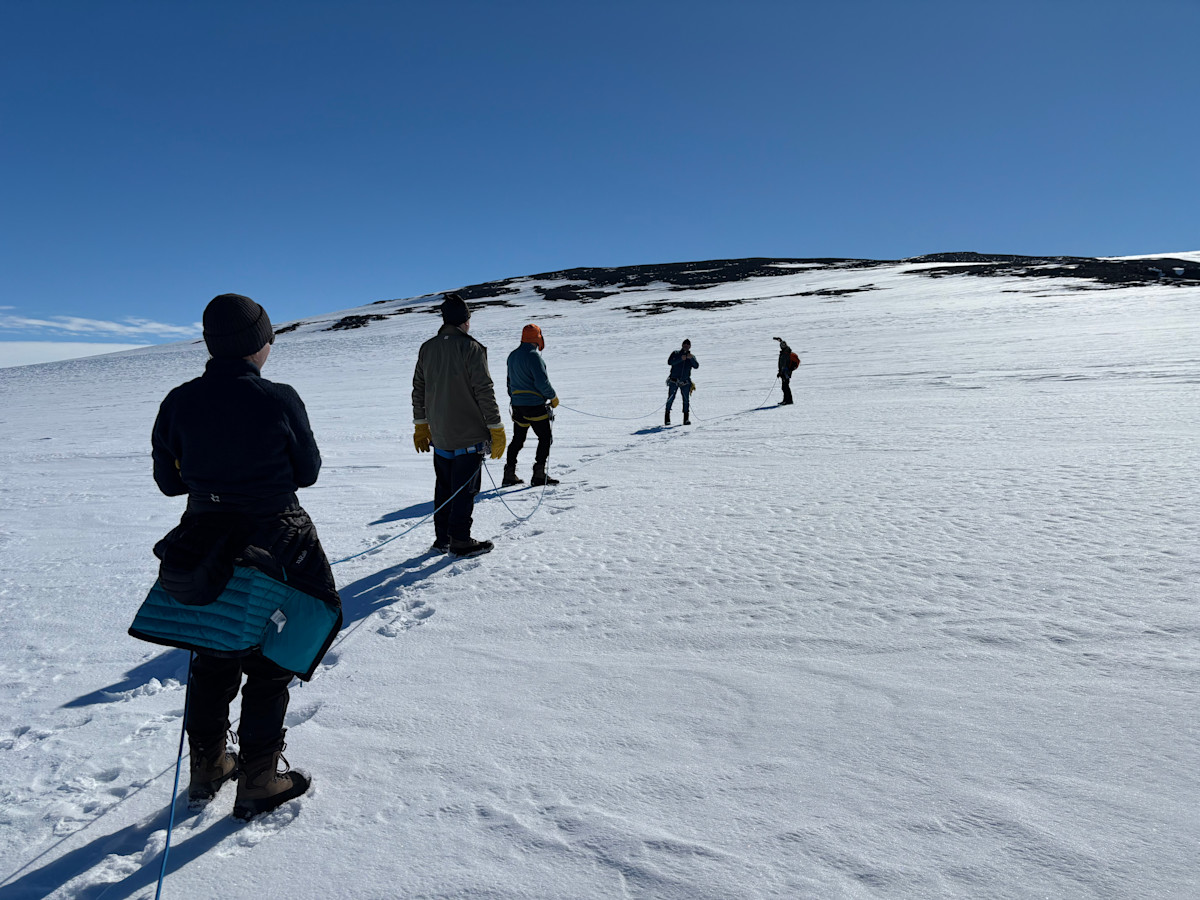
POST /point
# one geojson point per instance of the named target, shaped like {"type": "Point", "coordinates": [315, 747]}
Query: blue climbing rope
{"type": "Point", "coordinates": [541, 497]}
{"type": "Point", "coordinates": [614, 418]}
{"type": "Point", "coordinates": [411, 529]}
{"type": "Point", "coordinates": [187, 699]}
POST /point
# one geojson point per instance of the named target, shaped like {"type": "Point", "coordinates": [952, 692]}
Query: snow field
{"type": "Point", "coordinates": [929, 632]}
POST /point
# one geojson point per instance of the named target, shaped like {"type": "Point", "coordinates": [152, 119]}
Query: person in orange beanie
{"type": "Point", "coordinates": [533, 401]}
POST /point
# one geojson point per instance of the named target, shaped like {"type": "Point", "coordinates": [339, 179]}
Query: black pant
{"type": "Point", "coordinates": [787, 387]}
{"type": "Point", "coordinates": [521, 426]}
{"type": "Point", "coordinates": [214, 684]}
{"type": "Point", "coordinates": [685, 390]}
{"type": "Point", "coordinates": [452, 521]}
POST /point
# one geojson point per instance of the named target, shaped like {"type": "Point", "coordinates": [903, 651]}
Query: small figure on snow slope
{"type": "Point", "coordinates": [788, 363]}
{"type": "Point", "coordinates": [456, 415]}
{"type": "Point", "coordinates": [533, 401]}
{"type": "Point", "coordinates": [681, 362]}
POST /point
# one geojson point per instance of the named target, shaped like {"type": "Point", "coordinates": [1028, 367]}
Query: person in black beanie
{"type": "Point", "coordinates": [239, 446]}
{"type": "Point", "coordinates": [236, 326]}
{"type": "Point", "coordinates": [455, 415]}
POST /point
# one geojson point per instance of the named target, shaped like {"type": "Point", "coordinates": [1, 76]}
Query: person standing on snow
{"type": "Point", "coordinates": [239, 446]}
{"type": "Point", "coordinates": [681, 362]}
{"type": "Point", "coordinates": [456, 415]}
{"type": "Point", "coordinates": [533, 400]}
{"type": "Point", "coordinates": [788, 363]}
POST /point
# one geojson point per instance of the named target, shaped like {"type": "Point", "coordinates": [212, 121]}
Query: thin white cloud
{"type": "Point", "coordinates": [76, 326]}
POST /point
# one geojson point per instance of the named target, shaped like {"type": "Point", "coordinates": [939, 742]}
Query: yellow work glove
{"type": "Point", "coordinates": [422, 438]}
{"type": "Point", "coordinates": [498, 441]}
{"type": "Point", "coordinates": [554, 402]}
{"type": "Point", "coordinates": [693, 390]}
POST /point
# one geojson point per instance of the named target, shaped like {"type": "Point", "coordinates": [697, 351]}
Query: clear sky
{"type": "Point", "coordinates": [317, 156]}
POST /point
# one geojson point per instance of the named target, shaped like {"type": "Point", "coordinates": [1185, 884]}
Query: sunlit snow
{"type": "Point", "coordinates": [929, 633]}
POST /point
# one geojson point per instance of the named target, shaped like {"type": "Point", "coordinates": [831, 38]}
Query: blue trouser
{"type": "Point", "coordinates": [452, 521]}
{"type": "Point", "coordinates": [686, 390]}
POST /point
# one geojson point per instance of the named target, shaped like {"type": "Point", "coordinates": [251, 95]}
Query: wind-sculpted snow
{"type": "Point", "coordinates": [931, 632]}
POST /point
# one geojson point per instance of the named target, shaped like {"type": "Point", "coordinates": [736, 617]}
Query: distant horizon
{"type": "Point", "coordinates": [21, 351]}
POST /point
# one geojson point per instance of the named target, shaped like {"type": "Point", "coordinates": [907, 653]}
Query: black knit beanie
{"type": "Point", "coordinates": [236, 326]}
{"type": "Point", "coordinates": [454, 310]}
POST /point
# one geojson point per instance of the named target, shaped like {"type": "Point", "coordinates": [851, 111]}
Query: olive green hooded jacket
{"type": "Point", "coordinates": [453, 390]}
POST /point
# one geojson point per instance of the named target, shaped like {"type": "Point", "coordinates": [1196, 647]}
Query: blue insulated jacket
{"type": "Point", "coordinates": [681, 369]}
{"type": "Point", "coordinates": [528, 382]}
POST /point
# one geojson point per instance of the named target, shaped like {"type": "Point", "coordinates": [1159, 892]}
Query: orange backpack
{"type": "Point", "coordinates": [793, 361]}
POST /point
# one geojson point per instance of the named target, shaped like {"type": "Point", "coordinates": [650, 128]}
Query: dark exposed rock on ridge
{"type": "Point", "coordinates": [590, 284]}
{"type": "Point", "coordinates": [1113, 272]}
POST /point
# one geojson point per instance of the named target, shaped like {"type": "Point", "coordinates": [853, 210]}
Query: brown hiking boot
{"type": "Point", "coordinates": [210, 770]}
{"type": "Point", "coordinates": [262, 786]}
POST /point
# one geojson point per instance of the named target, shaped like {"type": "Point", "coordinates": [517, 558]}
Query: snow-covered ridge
{"type": "Point", "coordinates": [687, 286]}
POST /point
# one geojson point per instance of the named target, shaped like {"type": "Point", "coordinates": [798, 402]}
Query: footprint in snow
{"type": "Point", "coordinates": [248, 836]}
{"type": "Point", "coordinates": [298, 716]}
{"type": "Point", "coordinates": [411, 614]}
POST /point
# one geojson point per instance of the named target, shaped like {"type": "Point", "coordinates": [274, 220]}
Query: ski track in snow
{"type": "Point", "coordinates": [931, 635]}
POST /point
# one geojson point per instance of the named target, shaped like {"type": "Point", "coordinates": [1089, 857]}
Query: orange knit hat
{"type": "Point", "coordinates": [531, 334]}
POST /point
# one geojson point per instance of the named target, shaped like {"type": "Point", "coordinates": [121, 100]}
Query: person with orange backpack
{"type": "Point", "coordinates": [789, 362]}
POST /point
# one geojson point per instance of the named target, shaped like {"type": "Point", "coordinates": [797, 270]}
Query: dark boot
{"type": "Point", "coordinates": [470, 547]}
{"type": "Point", "coordinates": [211, 767]}
{"type": "Point", "coordinates": [262, 787]}
{"type": "Point", "coordinates": [511, 477]}
{"type": "Point", "coordinates": [667, 418]}
{"type": "Point", "coordinates": [540, 477]}
{"type": "Point", "coordinates": [686, 420]}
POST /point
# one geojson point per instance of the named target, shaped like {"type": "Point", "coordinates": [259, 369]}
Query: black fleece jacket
{"type": "Point", "coordinates": [234, 441]}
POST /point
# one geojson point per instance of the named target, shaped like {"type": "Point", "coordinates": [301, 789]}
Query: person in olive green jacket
{"type": "Point", "coordinates": [456, 416]}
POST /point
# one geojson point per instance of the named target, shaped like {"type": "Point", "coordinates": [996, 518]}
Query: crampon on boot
{"type": "Point", "coordinates": [211, 768]}
{"type": "Point", "coordinates": [262, 787]}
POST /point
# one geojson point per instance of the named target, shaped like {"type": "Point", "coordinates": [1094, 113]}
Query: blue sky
{"type": "Point", "coordinates": [317, 156]}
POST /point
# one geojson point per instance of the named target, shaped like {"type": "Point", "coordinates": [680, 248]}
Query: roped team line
{"type": "Point", "coordinates": [412, 528]}
{"type": "Point", "coordinates": [541, 496]}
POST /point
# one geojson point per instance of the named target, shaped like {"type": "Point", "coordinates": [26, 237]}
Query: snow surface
{"type": "Point", "coordinates": [27, 353]}
{"type": "Point", "coordinates": [931, 632]}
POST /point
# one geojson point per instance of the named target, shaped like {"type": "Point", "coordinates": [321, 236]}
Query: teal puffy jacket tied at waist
{"type": "Point", "coordinates": [254, 613]}
{"type": "Point", "coordinates": [233, 584]}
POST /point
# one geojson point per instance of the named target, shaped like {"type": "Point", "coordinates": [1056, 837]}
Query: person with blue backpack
{"type": "Point", "coordinates": [681, 362]}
